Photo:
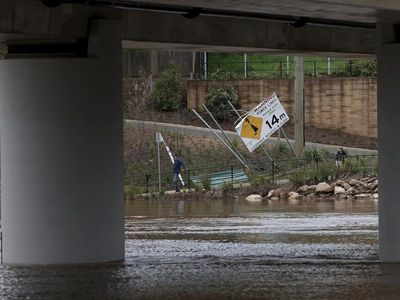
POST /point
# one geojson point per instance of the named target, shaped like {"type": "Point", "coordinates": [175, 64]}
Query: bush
{"type": "Point", "coordinates": [222, 74]}
{"type": "Point", "coordinates": [356, 166]}
{"type": "Point", "coordinates": [168, 92]}
{"type": "Point", "coordinates": [360, 68]}
{"type": "Point", "coordinates": [258, 180]}
{"type": "Point", "coordinates": [217, 99]}
{"type": "Point", "coordinates": [315, 154]}
{"type": "Point", "coordinates": [314, 174]}
{"type": "Point", "coordinates": [206, 182]}
{"type": "Point", "coordinates": [298, 178]}
{"type": "Point", "coordinates": [280, 151]}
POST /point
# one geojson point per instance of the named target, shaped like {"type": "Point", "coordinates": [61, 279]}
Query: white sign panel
{"type": "Point", "coordinates": [261, 122]}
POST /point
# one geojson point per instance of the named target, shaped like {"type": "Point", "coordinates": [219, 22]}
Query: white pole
{"type": "Point", "coordinates": [329, 66]}
{"type": "Point", "coordinates": [287, 66]}
{"type": "Point", "coordinates": [158, 139]}
{"type": "Point", "coordinates": [245, 65]}
{"type": "Point", "coordinates": [205, 65]}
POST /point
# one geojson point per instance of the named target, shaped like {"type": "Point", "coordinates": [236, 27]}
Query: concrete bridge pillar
{"type": "Point", "coordinates": [62, 155]}
{"type": "Point", "coordinates": [389, 142]}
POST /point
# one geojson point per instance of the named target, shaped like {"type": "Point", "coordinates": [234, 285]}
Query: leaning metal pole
{"type": "Point", "coordinates": [290, 145]}
{"type": "Point", "coordinates": [226, 145]}
{"type": "Point", "coordinates": [223, 133]}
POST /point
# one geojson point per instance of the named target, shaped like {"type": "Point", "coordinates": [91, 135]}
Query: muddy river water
{"type": "Point", "coordinates": [228, 249]}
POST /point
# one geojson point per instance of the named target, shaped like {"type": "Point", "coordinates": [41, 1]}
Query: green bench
{"type": "Point", "coordinates": [220, 178]}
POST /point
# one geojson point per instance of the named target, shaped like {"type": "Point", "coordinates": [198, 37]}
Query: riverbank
{"type": "Point", "coordinates": [349, 188]}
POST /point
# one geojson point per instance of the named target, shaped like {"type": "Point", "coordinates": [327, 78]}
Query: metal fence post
{"type": "Point", "coordinates": [147, 184]}
{"type": "Point", "coordinates": [273, 170]}
{"type": "Point", "coordinates": [315, 68]}
{"type": "Point", "coordinates": [232, 174]}
{"type": "Point", "coordinates": [281, 70]}
{"type": "Point", "coordinates": [188, 179]}
{"type": "Point", "coordinates": [350, 68]}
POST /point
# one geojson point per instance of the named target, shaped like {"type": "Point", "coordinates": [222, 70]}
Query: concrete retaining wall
{"type": "Point", "coordinates": [348, 104]}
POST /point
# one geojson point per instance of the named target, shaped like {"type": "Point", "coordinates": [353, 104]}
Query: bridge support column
{"type": "Point", "coordinates": [389, 143]}
{"type": "Point", "coordinates": [62, 155]}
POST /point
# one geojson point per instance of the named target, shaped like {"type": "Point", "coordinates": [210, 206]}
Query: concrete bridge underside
{"type": "Point", "coordinates": [62, 167]}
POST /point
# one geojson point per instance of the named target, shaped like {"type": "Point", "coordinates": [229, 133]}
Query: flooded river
{"type": "Point", "coordinates": [228, 249]}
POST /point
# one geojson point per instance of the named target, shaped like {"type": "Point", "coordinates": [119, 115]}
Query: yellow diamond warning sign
{"type": "Point", "coordinates": [261, 122]}
{"type": "Point", "coordinates": [251, 128]}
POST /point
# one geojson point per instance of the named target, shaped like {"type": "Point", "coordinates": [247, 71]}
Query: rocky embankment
{"type": "Point", "coordinates": [362, 188]}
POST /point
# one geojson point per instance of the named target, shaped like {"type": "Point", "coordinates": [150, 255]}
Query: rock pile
{"type": "Point", "coordinates": [363, 188]}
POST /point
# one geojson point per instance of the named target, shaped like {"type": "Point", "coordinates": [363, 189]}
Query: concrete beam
{"type": "Point", "coordinates": [30, 20]}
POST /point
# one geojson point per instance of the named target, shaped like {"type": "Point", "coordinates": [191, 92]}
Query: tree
{"type": "Point", "coordinates": [168, 92]}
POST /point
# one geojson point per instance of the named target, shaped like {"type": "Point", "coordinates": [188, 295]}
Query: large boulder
{"type": "Point", "coordinates": [303, 189]}
{"type": "Point", "coordinates": [338, 190]}
{"type": "Point", "coordinates": [293, 195]}
{"type": "Point", "coordinates": [346, 186]}
{"type": "Point", "coordinates": [355, 182]}
{"type": "Point", "coordinates": [338, 183]}
{"type": "Point", "coordinates": [311, 189]}
{"type": "Point", "coordinates": [323, 187]}
{"type": "Point", "coordinates": [254, 198]}
{"type": "Point", "coordinates": [352, 191]}
{"type": "Point", "coordinates": [373, 185]}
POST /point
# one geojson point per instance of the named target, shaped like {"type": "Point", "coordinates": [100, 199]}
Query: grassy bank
{"type": "Point", "coordinates": [203, 156]}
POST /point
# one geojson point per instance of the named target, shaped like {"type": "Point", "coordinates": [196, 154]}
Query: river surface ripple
{"type": "Point", "coordinates": [228, 249]}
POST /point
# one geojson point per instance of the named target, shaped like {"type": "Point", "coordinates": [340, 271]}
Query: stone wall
{"type": "Point", "coordinates": [348, 104]}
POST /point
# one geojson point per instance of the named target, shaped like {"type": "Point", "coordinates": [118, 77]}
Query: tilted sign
{"type": "Point", "coordinates": [261, 122]}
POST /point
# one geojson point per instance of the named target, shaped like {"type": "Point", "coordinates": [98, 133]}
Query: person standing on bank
{"type": "Point", "coordinates": [339, 157]}
{"type": "Point", "coordinates": [176, 169]}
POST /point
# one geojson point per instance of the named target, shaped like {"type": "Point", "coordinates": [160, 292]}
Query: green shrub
{"type": "Point", "coordinates": [222, 74]}
{"type": "Point", "coordinates": [315, 154]}
{"type": "Point", "coordinates": [168, 92]}
{"type": "Point", "coordinates": [326, 170]}
{"type": "Point", "coordinates": [258, 180]}
{"type": "Point", "coordinates": [298, 178]}
{"type": "Point", "coordinates": [206, 182]}
{"type": "Point", "coordinates": [359, 166]}
{"type": "Point", "coordinates": [314, 174]}
{"type": "Point", "coordinates": [357, 68]}
{"type": "Point", "coordinates": [280, 151]}
{"type": "Point", "coordinates": [217, 99]}
{"type": "Point", "coordinates": [227, 186]}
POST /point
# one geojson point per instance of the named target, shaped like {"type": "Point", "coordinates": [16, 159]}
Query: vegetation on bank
{"type": "Point", "coordinates": [203, 156]}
